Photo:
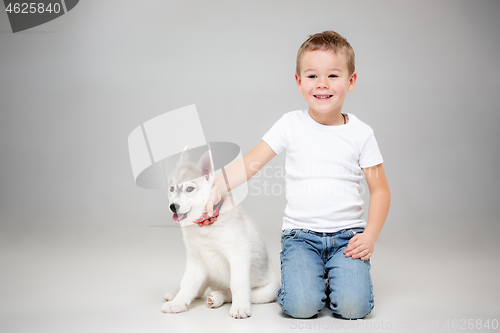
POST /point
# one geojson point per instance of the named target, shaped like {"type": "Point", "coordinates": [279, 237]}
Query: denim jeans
{"type": "Point", "coordinates": [315, 272]}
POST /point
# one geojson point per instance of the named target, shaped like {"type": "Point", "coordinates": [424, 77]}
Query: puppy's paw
{"type": "Point", "coordinates": [240, 312]}
{"type": "Point", "coordinates": [215, 299]}
{"type": "Point", "coordinates": [170, 295]}
{"type": "Point", "coordinates": [173, 307]}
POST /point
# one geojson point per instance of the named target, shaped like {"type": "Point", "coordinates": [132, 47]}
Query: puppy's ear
{"type": "Point", "coordinates": [205, 165]}
{"type": "Point", "coordinates": [184, 157]}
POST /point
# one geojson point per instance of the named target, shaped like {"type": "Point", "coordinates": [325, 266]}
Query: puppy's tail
{"type": "Point", "coordinates": [266, 293]}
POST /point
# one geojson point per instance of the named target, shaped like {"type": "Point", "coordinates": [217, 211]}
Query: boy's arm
{"type": "Point", "coordinates": [251, 163]}
{"type": "Point", "coordinates": [362, 245]}
{"type": "Point", "coordinates": [380, 199]}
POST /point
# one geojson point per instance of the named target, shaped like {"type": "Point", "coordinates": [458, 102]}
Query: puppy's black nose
{"type": "Point", "coordinates": [174, 207]}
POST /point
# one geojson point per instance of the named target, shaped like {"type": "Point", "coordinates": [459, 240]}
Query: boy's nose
{"type": "Point", "coordinates": [322, 84]}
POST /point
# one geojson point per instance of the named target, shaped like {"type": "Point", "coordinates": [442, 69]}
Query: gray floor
{"type": "Point", "coordinates": [79, 278]}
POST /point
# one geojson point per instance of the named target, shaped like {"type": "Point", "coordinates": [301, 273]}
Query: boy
{"type": "Point", "coordinates": [326, 244]}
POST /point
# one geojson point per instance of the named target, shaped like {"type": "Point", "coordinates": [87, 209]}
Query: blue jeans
{"type": "Point", "coordinates": [315, 272]}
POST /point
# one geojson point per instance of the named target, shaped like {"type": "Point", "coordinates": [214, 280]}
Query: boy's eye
{"type": "Point", "coordinates": [312, 76]}
{"type": "Point", "coordinates": [333, 75]}
{"type": "Point", "coordinates": [190, 189]}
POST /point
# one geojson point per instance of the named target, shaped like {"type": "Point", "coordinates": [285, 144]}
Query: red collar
{"type": "Point", "coordinates": [204, 217]}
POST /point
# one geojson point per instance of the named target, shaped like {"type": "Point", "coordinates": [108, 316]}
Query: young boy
{"type": "Point", "coordinates": [326, 243]}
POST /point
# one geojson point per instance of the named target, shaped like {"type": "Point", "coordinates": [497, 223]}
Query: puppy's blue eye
{"type": "Point", "coordinates": [172, 188]}
{"type": "Point", "coordinates": [190, 189]}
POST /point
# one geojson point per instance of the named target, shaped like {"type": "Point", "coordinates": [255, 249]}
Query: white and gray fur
{"type": "Point", "coordinates": [229, 256]}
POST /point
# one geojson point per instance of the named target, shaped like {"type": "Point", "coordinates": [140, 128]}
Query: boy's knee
{"type": "Point", "coordinates": [302, 310]}
{"type": "Point", "coordinates": [353, 309]}
{"type": "Point", "coordinates": [301, 306]}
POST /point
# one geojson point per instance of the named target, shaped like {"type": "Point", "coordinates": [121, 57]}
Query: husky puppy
{"type": "Point", "coordinates": [229, 256]}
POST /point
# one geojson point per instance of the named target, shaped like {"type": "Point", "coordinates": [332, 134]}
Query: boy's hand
{"type": "Point", "coordinates": [214, 199]}
{"type": "Point", "coordinates": [360, 246]}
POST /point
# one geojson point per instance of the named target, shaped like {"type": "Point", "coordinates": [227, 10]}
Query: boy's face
{"type": "Point", "coordinates": [324, 81]}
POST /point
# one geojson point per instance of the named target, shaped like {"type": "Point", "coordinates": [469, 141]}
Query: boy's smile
{"type": "Point", "coordinates": [324, 81]}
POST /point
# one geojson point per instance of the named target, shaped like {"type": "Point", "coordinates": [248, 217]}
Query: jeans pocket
{"type": "Point", "coordinates": [289, 234]}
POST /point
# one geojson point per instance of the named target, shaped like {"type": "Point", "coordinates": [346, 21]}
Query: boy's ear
{"type": "Point", "coordinates": [299, 82]}
{"type": "Point", "coordinates": [352, 81]}
{"type": "Point", "coordinates": [205, 165]}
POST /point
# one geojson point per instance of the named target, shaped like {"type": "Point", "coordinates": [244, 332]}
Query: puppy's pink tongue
{"type": "Point", "coordinates": [177, 217]}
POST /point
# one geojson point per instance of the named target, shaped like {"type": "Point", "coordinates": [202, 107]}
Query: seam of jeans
{"type": "Point", "coordinates": [372, 297]}
{"type": "Point", "coordinates": [281, 291]}
{"type": "Point", "coordinates": [333, 246]}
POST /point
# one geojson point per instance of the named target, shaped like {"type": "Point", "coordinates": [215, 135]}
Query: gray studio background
{"type": "Point", "coordinates": [82, 248]}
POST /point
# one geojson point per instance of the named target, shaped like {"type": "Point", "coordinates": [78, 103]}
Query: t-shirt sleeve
{"type": "Point", "coordinates": [370, 154]}
{"type": "Point", "coordinates": [275, 137]}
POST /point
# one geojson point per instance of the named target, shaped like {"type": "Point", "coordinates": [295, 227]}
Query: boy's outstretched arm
{"type": "Point", "coordinates": [362, 245]}
{"type": "Point", "coordinates": [252, 163]}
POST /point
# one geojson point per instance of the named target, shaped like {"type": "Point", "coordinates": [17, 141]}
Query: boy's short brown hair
{"type": "Point", "coordinates": [328, 41]}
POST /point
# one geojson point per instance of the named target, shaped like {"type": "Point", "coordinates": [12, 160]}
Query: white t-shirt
{"type": "Point", "coordinates": [323, 170]}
